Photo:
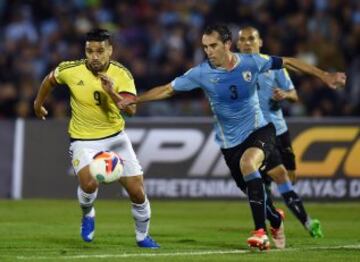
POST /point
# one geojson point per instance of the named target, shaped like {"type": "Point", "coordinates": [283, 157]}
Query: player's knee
{"type": "Point", "coordinates": [135, 188]}
{"type": "Point", "coordinates": [279, 174]}
{"type": "Point", "coordinates": [89, 186]}
{"type": "Point", "coordinates": [247, 165]}
{"type": "Point", "coordinates": [87, 183]}
{"type": "Point", "coordinates": [251, 160]}
{"type": "Point", "coordinates": [292, 176]}
{"type": "Point", "coordinates": [137, 196]}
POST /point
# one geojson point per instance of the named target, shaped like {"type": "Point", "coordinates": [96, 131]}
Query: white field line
{"type": "Point", "coordinates": [125, 255]}
{"type": "Point", "coordinates": [177, 254]}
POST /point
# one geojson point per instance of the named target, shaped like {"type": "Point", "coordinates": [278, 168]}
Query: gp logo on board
{"type": "Point", "coordinates": [343, 153]}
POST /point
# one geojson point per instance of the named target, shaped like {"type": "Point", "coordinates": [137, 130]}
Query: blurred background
{"type": "Point", "coordinates": [160, 39]}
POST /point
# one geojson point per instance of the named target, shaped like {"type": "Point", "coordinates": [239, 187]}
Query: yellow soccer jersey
{"type": "Point", "coordinates": [94, 115]}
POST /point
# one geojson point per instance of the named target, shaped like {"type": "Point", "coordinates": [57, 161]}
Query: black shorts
{"type": "Point", "coordinates": [263, 138]}
{"type": "Point", "coordinates": [283, 145]}
{"type": "Point", "coordinates": [284, 152]}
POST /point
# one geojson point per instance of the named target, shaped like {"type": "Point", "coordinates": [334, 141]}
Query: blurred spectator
{"type": "Point", "coordinates": [8, 98]}
{"type": "Point", "coordinates": [159, 39]}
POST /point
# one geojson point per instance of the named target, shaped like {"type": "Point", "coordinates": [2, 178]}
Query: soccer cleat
{"type": "Point", "coordinates": [87, 228]}
{"type": "Point", "coordinates": [315, 229]}
{"type": "Point", "coordinates": [281, 212]}
{"type": "Point", "coordinates": [278, 236]}
{"type": "Point", "coordinates": [148, 242]}
{"type": "Point", "coordinates": [259, 240]}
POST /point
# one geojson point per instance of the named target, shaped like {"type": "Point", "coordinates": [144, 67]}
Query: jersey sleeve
{"type": "Point", "coordinates": [188, 81]}
{"type": "Point", "coordinates": [59, 73]}
{"type": "Point", "coordinates": [265, 62]}
{"type": "Point", "coordinates": [126, 82]}
{"type": "Point", "coordinates": [283, 79]}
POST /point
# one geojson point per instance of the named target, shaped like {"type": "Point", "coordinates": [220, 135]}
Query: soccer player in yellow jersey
{"type": "Point", "coordinates": [96, 124]}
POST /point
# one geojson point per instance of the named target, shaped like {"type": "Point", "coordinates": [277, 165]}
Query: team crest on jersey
{"type": "Point", "coordinates": [247, 76]}
{"type": "Point", "coordinates": [76, 162]}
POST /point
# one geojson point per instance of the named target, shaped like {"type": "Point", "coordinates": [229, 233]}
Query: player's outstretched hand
{"type": "Point", "coordinates": [40, 111]}
{"type": "Point", "coordinates": [335, 80]}
{"type": "Point", "coordinates": [278, 94]}
{"type": "Point", "coordinates": [106, 82]}
{"type": "Point", "coordinates": [126, 101]}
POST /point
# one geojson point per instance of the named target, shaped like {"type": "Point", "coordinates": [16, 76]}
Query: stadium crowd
{"type": "Point", "coordinates": [160, 39]}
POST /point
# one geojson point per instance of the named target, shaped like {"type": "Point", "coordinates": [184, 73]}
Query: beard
{"type": "Point", "coordinates": [96, 66]}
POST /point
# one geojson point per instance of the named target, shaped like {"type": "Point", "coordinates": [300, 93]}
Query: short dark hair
{"type": "Point", "coordinates": [221, 29]}
{"type": "Point", "coordinates": [251, 27]}
{"type": "Point", "coordinates": [98, 35]}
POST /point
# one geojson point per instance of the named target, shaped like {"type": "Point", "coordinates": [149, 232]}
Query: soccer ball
{"type": "Point", "coordinates": [106, 167]}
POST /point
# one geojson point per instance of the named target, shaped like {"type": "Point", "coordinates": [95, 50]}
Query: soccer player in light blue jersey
{"type": "Point", "coordinates": [274, 86]}
{"type": "Point", "coordinates": [245, 137]}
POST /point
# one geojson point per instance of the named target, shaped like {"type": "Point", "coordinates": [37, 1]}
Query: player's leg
{"type": "Point", "coordinates": [293, 201]}
{"type": "Point", "coordinates": [132, 181]}
{"type": "Point", "coordinates": [280, 176]}
{"type": "Point", "coordinates": [232, 157]}
{"type": "Point", "coordinates": [140, 209]}
{"type": "Point", "coordinates": [276, 218]}
{"type": "Point", "coordinates": [87, 193]}
{"type": "Point", "coordinates": [244, 161]}
{"type": "Point", "coordinates": [272, 213]}
{"type": "Point", "coordinates": [292, 176]}
{"type": "Point", "coordinates": [250, 163]}
{"type": "Point", "coordinates": [265, 140]}
{"type": "Point", "coordinates": [82, 153]}
{"type": "Point", "coordinates": [283, 143]}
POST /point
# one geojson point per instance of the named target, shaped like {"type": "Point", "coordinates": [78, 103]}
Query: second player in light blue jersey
{"type": "Point", "coordinates": [270, 84]}
{"type": "Point", "coordinates": [245, 137]}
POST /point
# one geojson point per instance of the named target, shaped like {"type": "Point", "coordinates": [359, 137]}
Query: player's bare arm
{"type": "Point", "coordinates": [108, 85]}
{"type": "Point", "coordinates": [333, 80]}
{"type": "Point", "coordinates": [46, 86]}
{"type": "Point", "coordinates": [280, 94]}
{"type": "Point", "coordinates": [156, 93]}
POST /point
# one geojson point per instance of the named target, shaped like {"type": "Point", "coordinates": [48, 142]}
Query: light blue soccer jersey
{"type": "Point", "coordinates": [266, 82]}
{"type": "Point", "coordinates": [232, 95]}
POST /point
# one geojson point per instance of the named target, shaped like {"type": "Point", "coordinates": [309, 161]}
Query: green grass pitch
{"type": "Point", "coordinates": [48, 230]}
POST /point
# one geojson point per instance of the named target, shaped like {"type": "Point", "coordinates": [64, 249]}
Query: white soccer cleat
{"type": "Point", "coordinates": [259, 240]}
{"type": "Point", "coordinates": [278, 236]}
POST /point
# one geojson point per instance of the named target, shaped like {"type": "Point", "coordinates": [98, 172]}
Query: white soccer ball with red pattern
{"type": "Point", "coordinates": [106, 167]}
